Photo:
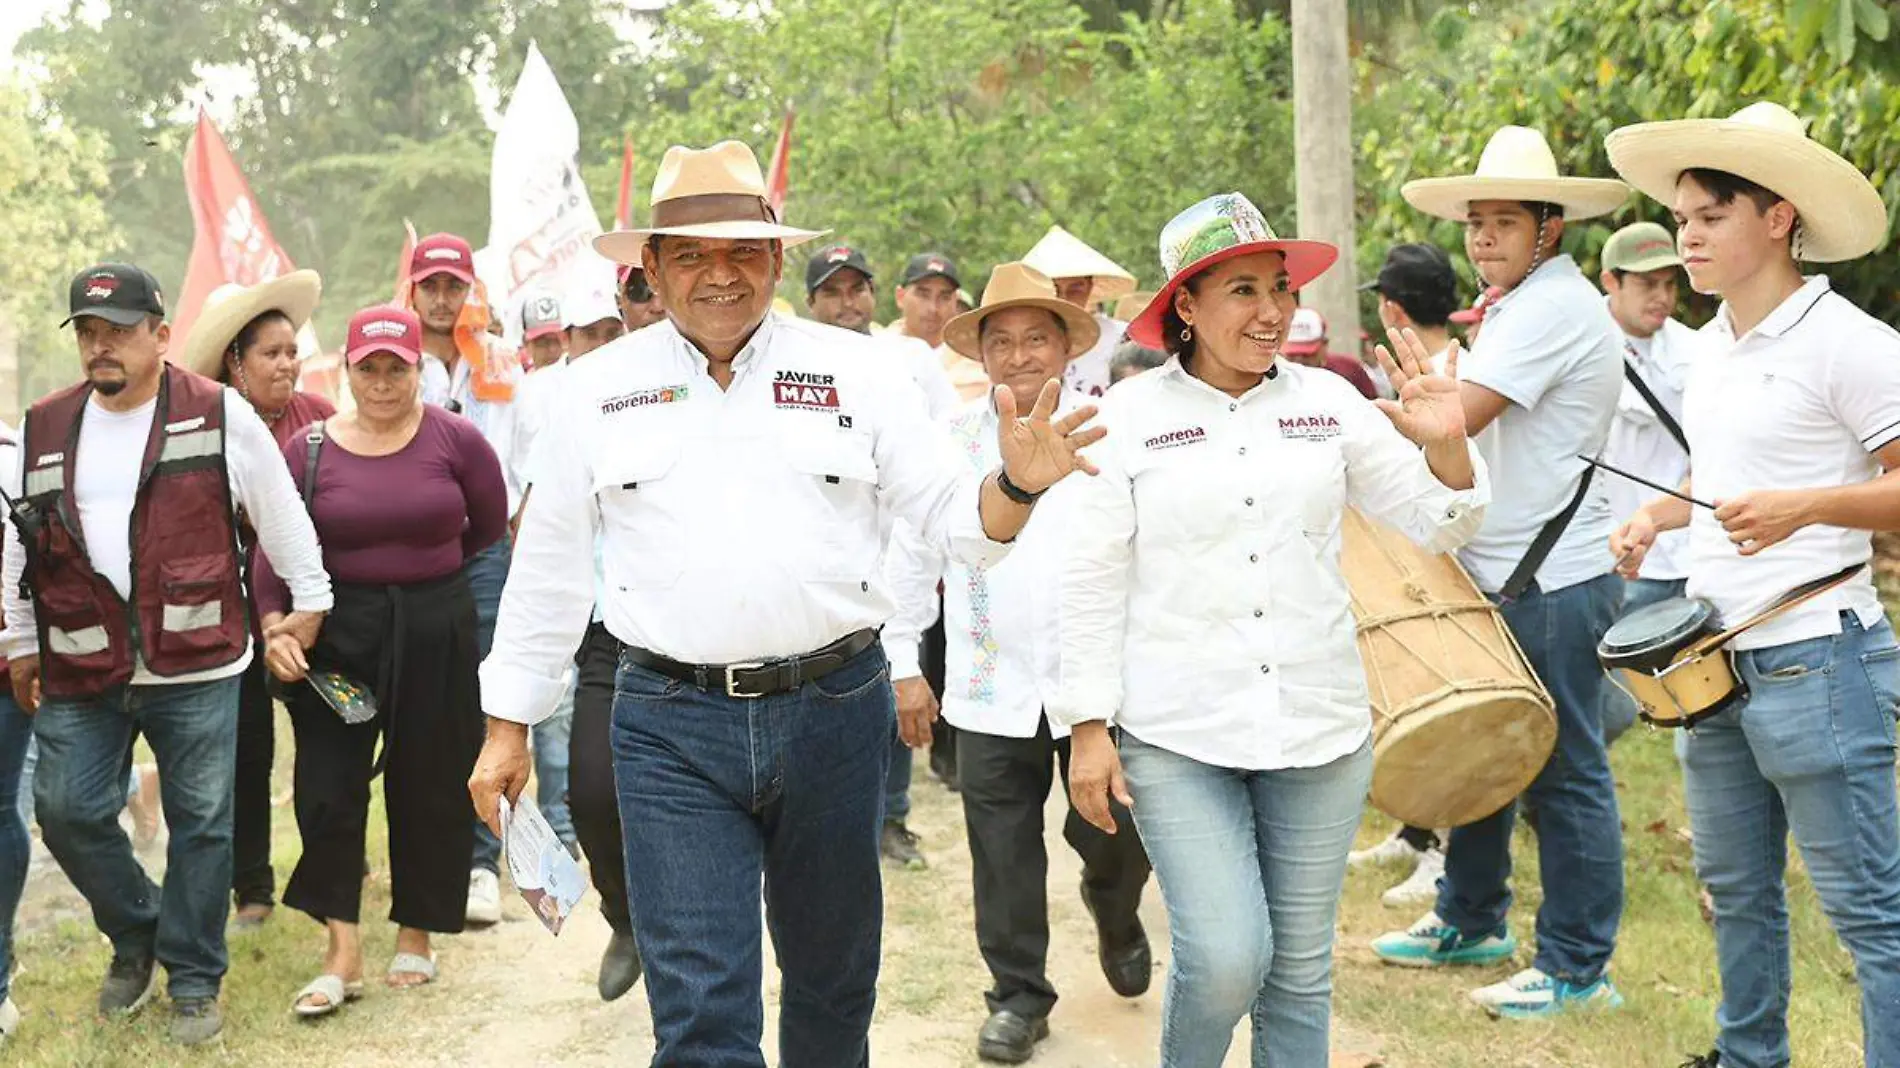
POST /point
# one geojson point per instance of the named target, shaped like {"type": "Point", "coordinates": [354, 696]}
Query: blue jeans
{"type": "Point", "coordinates": [80, 787]}
{"type": "Point", "coordinates": [487, 573]}
{"type": "Point", "coordinates": [897, 783]}
{"type": "Point", "coordinates": [1251, 865]}
{"type": "Point", "coordinates": [717, 793]}
{"type": "Point", "coordinates": [1579, 833]}
{"type": "Point", "coordinates": [16, 845]}
{"type": "Point", "coordinates": [1619, 708]}
{"type": "Point", "coordinates": [1812, 752]}
{"type": "Point", "coordinates": [550, 767]}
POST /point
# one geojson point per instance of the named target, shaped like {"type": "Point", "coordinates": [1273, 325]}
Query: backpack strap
{"type": "Point", "coordinates": [313, 450]}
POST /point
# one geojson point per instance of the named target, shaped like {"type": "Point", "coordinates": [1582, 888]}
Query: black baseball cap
{"type": "Point", "coordinates": [1420, 279]}
{"type": "Point", "coordinates": [830, 261]}
{"type": "Point", "coordinates": [930, 265]}
{"type": "Point", "coordinates": [119, 293]}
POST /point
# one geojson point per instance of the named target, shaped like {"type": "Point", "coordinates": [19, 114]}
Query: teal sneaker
{"type": "Point", "coordinates": [1532, 995]}
{"type": "Point", "coordinates": [1431, 943]}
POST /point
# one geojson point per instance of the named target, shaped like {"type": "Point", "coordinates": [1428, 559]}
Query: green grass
{"type": "Point", "coordinates": [1664, 963]}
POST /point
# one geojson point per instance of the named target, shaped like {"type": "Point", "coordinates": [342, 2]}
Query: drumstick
{"type": "Point", "coordinates": [1677, 494]}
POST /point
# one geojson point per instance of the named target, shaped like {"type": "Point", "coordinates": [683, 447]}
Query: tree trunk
{"type": "Point", "coordinates": [1322, 134]}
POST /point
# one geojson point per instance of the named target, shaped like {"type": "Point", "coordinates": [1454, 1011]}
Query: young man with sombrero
{"type": "Point", "coordinates": [1793, 421]}
{"type": "Point", "coordinates": [737, 469]}
{"type": "Point", "coordinates": [246, 337]}
{"type": "Point", "coordinates": [1086, 279]}
{"type": "Point", "coordinates": [1001, 665]}
{"type": "Point", "coordinates": [1539, 390]}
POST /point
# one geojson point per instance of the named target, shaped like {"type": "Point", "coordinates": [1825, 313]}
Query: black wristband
{"type": "Point", "coordinates": [1012, 490]}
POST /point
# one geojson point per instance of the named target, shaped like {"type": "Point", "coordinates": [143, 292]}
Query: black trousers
{"type": "Point", "coordinates": [943, 737]}
{"type": "Point", "coordinates": [415, 646]}
{"type": "Point", "coordinates": [1005, 784]}
{"type": "Point", "coordinates": [592, 799]}
{"type": "Point", "coordinates": [252, 881]}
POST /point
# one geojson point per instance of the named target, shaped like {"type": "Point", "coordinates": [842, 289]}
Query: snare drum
{"type": "Point", "coordinates": [1661, 656]}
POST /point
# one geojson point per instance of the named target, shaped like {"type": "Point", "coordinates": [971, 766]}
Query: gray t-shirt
{"type": "Point", "coordinates": [1551, 348]}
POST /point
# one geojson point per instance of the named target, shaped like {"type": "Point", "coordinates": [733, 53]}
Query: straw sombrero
{"type": "Point", "coordinates": [716, 192]}
{"type": "Point", "coordinates": [1060, 254]}
{"type": "Point", "coordinates": [1130, 306]}
{"type": "Point", "coordinates": [231, 307]}
{"type": "Point", "coordinates": [1842, 216]}
{"type": "Point", "coordinates": [1018, 285]}
{"type": "Point", "coordinates": [1221, 228]}
{"type": "Point", "coordinates": [1517, 164]}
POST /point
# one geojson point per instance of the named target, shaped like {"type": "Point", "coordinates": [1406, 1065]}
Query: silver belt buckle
{"type": "Point", "coordinates": [732, 682]}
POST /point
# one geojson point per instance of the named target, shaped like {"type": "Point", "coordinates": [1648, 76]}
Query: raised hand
{"type": "Point", "coordinates": [1429, 410]}
{"type": "Point", "coordinates": [1038, 453]}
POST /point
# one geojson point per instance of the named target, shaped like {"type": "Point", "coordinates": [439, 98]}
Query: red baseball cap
{"type": "Point", "coordinates": [1305, 334]}
{"type": "Point", "coordinates": [384, 328]}
{"type": "Point", "coordinates": [442, 254]}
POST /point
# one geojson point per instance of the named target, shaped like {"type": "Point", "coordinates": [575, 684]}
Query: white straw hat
{"type": "Point", "coordinates": [1842, 216]}
{"type": "Point", "coordinates": [229, 308]}
{"type": "Point", "coordinates": [1061, 254]}
{"type": "Point", "coordinates": [1517, 164]}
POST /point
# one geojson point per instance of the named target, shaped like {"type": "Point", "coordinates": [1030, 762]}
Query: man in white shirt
{"type": "Point", "coordinates": [124, 534]}
{"type": "Point", "coordinates": [441, 277]}
{"type": "Point", "coordinates": [1084, 278]}
{"type": "Point", "coordinates": [541, 336]}
{"type": "Point", "coordinates": [928, 296]}
{"type": "Point", "coordinates": [737, 469]}
{"type": "Point", "coordinates": [1793, 418]}
{"type": "Point", "coordinates": [1539, 390]}
{"type": "Point", "coordinates": [1001, 627]}
{"type": "Point", "coordinates": [1640, 267]}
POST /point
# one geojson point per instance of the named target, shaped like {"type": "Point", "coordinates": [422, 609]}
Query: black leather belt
{"type": "Point", "coordinates": [758, 678]}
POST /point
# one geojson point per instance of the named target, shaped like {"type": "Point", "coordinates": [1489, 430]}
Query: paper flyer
{"type": "Point", "coordinates": [542, 869]}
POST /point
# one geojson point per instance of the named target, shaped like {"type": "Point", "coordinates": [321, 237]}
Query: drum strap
{"type": "Point", "coordinates": [1545, 541]}
{"type": "Point", "coordinates": [1649, 397]}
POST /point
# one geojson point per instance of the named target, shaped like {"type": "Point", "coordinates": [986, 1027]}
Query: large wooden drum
{"type": "Point", "coordinates": [1460, 722]}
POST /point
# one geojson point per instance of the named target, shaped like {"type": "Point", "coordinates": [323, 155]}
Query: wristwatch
{"type": "Point", "coordinates": [1012, 490]}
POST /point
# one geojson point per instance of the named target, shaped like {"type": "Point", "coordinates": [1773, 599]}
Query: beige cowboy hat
{"type": "Point", "coordinates": [716, 192]}
{"type": "Point", "coordinates": [1842, 217]}
{"type": "Point", "coordinates": [1061, 254]}
{"type": "Point", "coordinates": [1517, 164]}
{"type": "Point", "coordinates": [231, 307]}
{"type": "Point", "coordinates": [1018, 285]}
{"type": "Point", "coordinates": [1130, 306]}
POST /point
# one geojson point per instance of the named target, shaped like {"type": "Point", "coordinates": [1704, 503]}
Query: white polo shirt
{"type": "Point", "coordinates": [1640, 444]}
{"type": "Point", "coordinates": [1551, 349]}
{"type": "Point", "coordinates": [1800, 402]}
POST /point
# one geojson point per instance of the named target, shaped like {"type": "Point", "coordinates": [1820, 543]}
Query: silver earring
{"type": "Point", "coordinates": [1187, 333]}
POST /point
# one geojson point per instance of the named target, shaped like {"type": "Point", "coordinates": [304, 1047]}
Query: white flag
{"type": "Point", "coordinates": [541, 222]}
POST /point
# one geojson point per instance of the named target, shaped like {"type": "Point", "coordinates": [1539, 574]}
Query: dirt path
{"type": "Point", "coordinates": [524, 997]}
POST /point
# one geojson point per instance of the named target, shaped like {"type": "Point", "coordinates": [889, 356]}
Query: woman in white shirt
{"type": "Point", "coordinates": [1204, 614]}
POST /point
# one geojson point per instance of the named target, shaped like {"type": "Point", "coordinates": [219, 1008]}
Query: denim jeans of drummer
{"type": "Point", "coordinates": [16, 845]}
{"type": "Point", "coordinates": [897, 783]}
{"type": "Point", "coordinates": [487, 573]}
{"type": "Point", "coordinates": [79, 788]}
{"type": "Point", "coordinates": [1251, 864]}
{"type": "Point", "coordinates": [551, 744]}
{"type": "Point", "coordinates": [1811, 752]}
{"type": "Point", "coordinates": [1579, 833]}
{"type": "Point", "coordinates": [718, 793]}
{"type": "Point", "coordinates": [1619, 708]}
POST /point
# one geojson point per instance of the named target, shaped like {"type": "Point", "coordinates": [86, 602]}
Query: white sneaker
{"type": "Point", "coordinates": [484, 898]}
{"type": "Point", "coordinates": [1421, 887]}
{"type": "Point", "coordinates": [1391, 851]}
{"type": "Point", "coordinates": [9, 1019]}
{"type": "Point", "coordinates": [1531, 994]}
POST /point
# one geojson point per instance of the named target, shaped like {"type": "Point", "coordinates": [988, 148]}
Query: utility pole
{"type": "Point", "coordinates": [1322, 137]}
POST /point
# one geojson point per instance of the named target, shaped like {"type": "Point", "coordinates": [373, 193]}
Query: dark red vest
{"type": "Point", "coordinates": [187, 611]}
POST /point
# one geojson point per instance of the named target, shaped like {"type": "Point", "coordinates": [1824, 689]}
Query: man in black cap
{"type": "Point", "coordinates": [840, 289]}
{"type": "Point", "coordinates": [927, 297]}
{"type": "Point", "coordinates": [1418, 290]}
{"type": "Point", "coordinates": [126, 611]}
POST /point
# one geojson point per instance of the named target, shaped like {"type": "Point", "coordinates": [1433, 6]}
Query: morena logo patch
{"type": "Point", "coordinates": [1174, 439]}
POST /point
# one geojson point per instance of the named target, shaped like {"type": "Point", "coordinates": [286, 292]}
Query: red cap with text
{"type": "Point", "coordinates": [384, 328]}
{"type": "Point", "coordinates": [442, 254]}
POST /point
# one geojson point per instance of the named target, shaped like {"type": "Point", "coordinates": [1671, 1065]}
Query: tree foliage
{"type": "Point", "coordinates": [1577, 69]}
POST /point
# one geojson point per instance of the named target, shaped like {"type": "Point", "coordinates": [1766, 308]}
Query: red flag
{"type": "Point", "coordinates": [401, 299]}
{"type": "Point", "coordinates": [623, 207]}
{"type": "Point", "coordinates": [231, 240]}
{"type": "Point", "coordinates": [778, 179]}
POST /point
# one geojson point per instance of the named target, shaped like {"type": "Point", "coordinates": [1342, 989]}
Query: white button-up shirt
{"type": "Point", "coordinates": [1641, 445]}
{"type": "Point", "coordinates": [1000, 620]}
{"type": "Point", "coordinates": [736, 525]}
{"type": "Point", "coordinates": [495, 419]}
{"type": "Point", "coordinates": [1201, 605]}
{"type": "Point", "coordinates": [1800, 402]}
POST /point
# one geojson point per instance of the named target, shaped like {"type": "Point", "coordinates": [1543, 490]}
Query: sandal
{"type": "Point", "coordinates": [412, 964]}
{"type": "Point", "coordinates": [333, 989]}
